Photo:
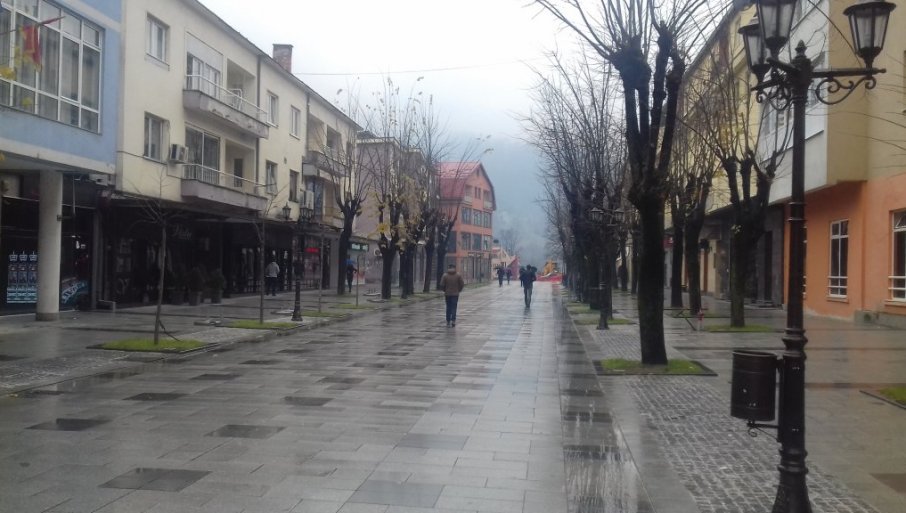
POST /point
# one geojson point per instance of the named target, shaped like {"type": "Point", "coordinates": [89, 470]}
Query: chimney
{"type": "Point", "coordinates": [283, 54]}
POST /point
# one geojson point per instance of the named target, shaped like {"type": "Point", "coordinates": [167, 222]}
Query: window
{"type": "Point", "coordinates": [466, 215]}
{"type": "Point", "coordinates": [203, 156]}
{"type": "Point", "coordinates": [270, 171]}
{"type": "Point", "coordinates": [64, 84]}
{"type": "Point", "coordinates": [295, 121]}
{"type": "Point", "coordinates": [202, 76]}
{"type": "Point", "coordinates": [153, 137]}
{"type": "Point", "coordinates": [468, 191]}
{"type": "Point", "coordinates": [272, 109]}
{"type": "Point", "coordinates": [466, 241]}
{"type": "Point", "coordinates": [486, 243]}
{"type": "Point", "coordinates": [898, 279]}
{"type": "Point", "coordinates": [839, 254]}
{"type": "Point", "coordinates": [451, 243]}
{"type": "Point", "coordinates": [317, 189]}
{"type": "Point", "coordinates": [476, 242]}
{"type": "Point", "coordinates": [157, 39]}
{"type": "Point", "coordinates": [294, 186]}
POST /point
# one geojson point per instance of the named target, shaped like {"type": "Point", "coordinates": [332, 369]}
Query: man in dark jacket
{"type": "Point", "coordinates": [452, 284]}
{"type": "Point", "coordinates": [527, 280]}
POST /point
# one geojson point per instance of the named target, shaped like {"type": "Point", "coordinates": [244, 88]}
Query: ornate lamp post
{"type": "Point", "coordinates": [606, 219]}
{"type": "Point", "coordinates": [305, 215]}
{"type": "Point", "coordinates": [783, 85]}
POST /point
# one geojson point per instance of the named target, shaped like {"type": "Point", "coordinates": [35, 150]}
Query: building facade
{"type": "Point", "coordinates": [467, 194]}
{"type": "Point", "coordinates": [60, 69]}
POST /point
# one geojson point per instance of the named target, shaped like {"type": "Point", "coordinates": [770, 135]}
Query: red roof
{"type": "Point", "coordinates": [453, 176]}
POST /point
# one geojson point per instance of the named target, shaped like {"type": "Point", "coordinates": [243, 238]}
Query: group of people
{"type": "Point", "coordinates": [451, 283]}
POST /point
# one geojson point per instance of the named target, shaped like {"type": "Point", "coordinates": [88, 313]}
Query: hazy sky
{"type": "Point", "coordinates": [474, 55]}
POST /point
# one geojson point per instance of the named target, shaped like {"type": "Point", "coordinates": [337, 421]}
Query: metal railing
{"type": "Point", "coordinates": [897, 288]}
{"type": "Point", "coordinates": [225, 96]}
{"type": "Point", "coordinates": [216, 177]}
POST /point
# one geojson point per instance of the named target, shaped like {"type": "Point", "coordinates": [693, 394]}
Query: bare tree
{"type": "Point", "coordinates": [347, 176]}
{"type": "Point", "coordinates": [692, 171]}
{"type": "Point", "coordinates": [728, 121]}
{"type": "Point", "coordinates": [575, 128]}
{"type": "Point", "coordinates": [385, 152]}
{"type": "Point", "coordinates": [646, 43]}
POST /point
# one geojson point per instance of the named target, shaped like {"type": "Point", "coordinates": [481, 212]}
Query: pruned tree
{"type": "Point", "coordinates": [728, 120]}
{"type": "Point", "coordinates": [349, 179]}
{"type": "Point", "coordinates": [692, 172]}
{"type": "Point", "coordinates": [385, 152]}
{"type": "Point", "coordinates": [575, 128]}
{"type": "Point", "coordinates": [646, 42]}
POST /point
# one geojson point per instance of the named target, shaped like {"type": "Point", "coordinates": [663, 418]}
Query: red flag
{"type": "Point", "coordinates": [31, 45]}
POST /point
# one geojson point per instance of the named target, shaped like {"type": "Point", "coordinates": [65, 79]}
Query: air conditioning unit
{"type": "Point", "coordinates": [178, 153]}
{"type": "Point", "coordinates": [307, 199]}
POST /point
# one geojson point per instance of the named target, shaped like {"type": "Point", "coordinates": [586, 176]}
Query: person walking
{"type": "Point", "coordinates": [452, 284]}
{"type": "Point", "coordinates": [509, 274]}
{"type": "Point", "coordinates": [270, 278]}
{"type": "Point", "coordinates": [500, 274]}
{"type": "Point", "coordinates": [527, 280]}
{"type": "Point", "coordinates": [350, 273]}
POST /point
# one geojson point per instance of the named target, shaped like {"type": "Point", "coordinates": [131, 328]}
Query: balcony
{"type": "Point", "coordinates": [207, 185]}
{"type": "Point", "coordinates": [488, 205]}
{"type": "Point", "coordinates": [467, 200]}
{"type": "Point", "coordinates": [221, 104]}
{"type": "Point", "coordinates": [325, 165]}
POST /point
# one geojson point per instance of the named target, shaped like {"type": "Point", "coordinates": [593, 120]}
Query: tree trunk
{"type": "Point", "coordinates": [693, 268]}
{"type": "Point", "coordinates": [261, 278]}
{"type": "Point", "coordinates": [739, 259]}
{"type": "Point", "coordinates": [651, 284]}
{"type": "Point", "coordinates": [429, 261]}
{"type": "Point", "coordinates": [162, 262]}
{"type": "Point", "coordinates": [343, 253]}
{"type": "Point", "coordinates": [387, 272]}
{"type": "Point", "coordinates": [636, 265]}
{"type": "Point", "coordinates": [676, 257]}
{"type": "Point", "coordinates": [439, 270]}
{"type": "Point", "coordinates": [624, 281]}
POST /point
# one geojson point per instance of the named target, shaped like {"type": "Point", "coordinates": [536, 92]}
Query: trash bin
{"type": "Point", "coordinates": [754, 387]}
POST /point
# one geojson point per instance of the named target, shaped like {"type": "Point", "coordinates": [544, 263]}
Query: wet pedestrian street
{"type": "Point", "coordinates": [389, 412]}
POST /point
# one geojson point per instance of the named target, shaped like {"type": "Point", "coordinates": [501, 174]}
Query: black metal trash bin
{"type": "Point", "coordinates": [754, 387]}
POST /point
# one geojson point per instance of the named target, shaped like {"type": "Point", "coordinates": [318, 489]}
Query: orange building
{"type": "Point", "coordinates": [466, 192]}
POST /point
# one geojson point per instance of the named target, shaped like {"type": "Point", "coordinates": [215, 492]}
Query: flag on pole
{"type": "Point", "coordinates": [31, 45]}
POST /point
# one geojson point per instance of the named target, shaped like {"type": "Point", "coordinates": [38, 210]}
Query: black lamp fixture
{"type": "Point", "coordinates": [868, 23]}
{"type": "Point", "coordinates": [787, 85]}
{"type": "Point", "coordinates": [287, 210]}
{"type": "Point", "coordinates": [596, 215]}
{"type": "Point", "coordinates": [306, 214]}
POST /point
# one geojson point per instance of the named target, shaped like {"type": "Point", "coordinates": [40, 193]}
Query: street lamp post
{"type": "Point", "coordinates": [305, 215]}
{"type": "Point", "coordinates": [606, 220]}
{"type": "Point", "coordinates": [788, 84]}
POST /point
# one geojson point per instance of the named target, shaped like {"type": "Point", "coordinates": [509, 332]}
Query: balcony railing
{"type": "Point", "coordinates": [216, 177]}
{"type": "Point", "coordinates": [209, 88]}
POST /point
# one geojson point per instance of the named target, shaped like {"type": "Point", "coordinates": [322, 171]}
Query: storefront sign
{"type": "Point", "coordinates": [357, 246]}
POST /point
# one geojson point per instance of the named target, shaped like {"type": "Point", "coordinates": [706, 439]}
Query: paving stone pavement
{"type": "Point", "coordinates": [389, 412]}
{"type": "Point", "coordinates": [720, 464]}
{"type": "Point", "coordinates": [393, 412]}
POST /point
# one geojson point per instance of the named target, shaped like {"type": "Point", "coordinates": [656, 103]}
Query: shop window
{"type": "Point", "coordinates": [839, 256]}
